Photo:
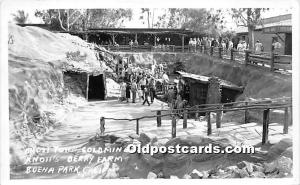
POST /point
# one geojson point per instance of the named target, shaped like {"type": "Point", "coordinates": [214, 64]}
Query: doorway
{"type": "Point", "coordinates": [96, 87]}
{"type": "Point", "coordinates": [288, 44]}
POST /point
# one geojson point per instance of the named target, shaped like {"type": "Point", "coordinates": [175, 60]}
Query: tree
{"type": "Point", "coordinates": [20, 17]}
{"type": "Point", "coordinates": [250, 18]}
{"type": "Point", "coordinates": [82, 19]}
{"type": "Point", "coordinates": [149, 16]}
{"type": "Point", "coordinates": [107, 18]}
{"type": "Point", "coordinates": [200, 20]}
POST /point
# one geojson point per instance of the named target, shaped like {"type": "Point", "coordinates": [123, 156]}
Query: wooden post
{"type": "Point", "coordinates": [246, 114]}
{"type": "Point", "coordinates": [220, 52]}
{"type": "Point", "coordinates": [208, 123]}
{"type": "Point", "coordinates": [102, 125]}
{"type": "Point", "coordinates": [266, 121]}
{"type": "Point", "coordinates": [196, 116]}
{"type": "Point", "coordinates": [218, 118]}
{"type": "Point", "coordinates": [104, 82]}
{"type": "Point", "coordinates": [86, 37]}
{"type": "Point", "coordinates": [87, 86]}
{"type": "Point", "coordinates": [231, 54]}
{"type": "Point", "coordinates": [291, 116]}
{"type": "Point", "coordinates": [158, 118]}
{"type": "Point", "coordinates": [272, 61]}
{"type": "Point", "coordinates": [113, 39]}
{"type": "Point", "coordinates": [185, 114]}
{"type": "Point", "coordinates": [182, 43]}
{"type": "Point", "coordinates": [286, 120]}
{"type": "Point", "coordinates": [137, 127]}
{"type": "Point", "coordinates": [173, 127]}
{"type": "Point", "coordinates": [246, 57]}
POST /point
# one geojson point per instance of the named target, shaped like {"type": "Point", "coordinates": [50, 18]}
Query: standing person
{"type": "Point", "coordinates": [276, 46]}
{"type": "Point", "coordinates": [152, 89]}
{"type": "Point", "coordinates": [245, 45]}
{"type": "Point", "coordinates": [170, 97]}
{"type": "Point", "coordinates": [230, 45]}
{"type": "Point", "coordinates": [123, 74]}
{"type": "Point", "coordinates": [146, 95]}
{"type": "Point", "coordinates": [165, 81]}
{"type": "Point", "coordinates": [240, 46]}
{"type": "Point", "coordinates": [190, 44]}
{"type": "Point", "coordinates": [130, 43]}
{"type": "Point", "coordinates": [139, 77]}
{"type": "Point", "coordinates": [129, 71]}
{"type": "Point", "coordinates": [258, 47]}
{"type": "Point", "coordinates": [223, 44]}
{"type": "Point", "coordinates": [123, 91]}
{"type": "Point", "coordinates": [175, 92]}
{"type": "Point", "coordinates": [127, 92]}
{"type": "Point", "coordinates": [143, 82]}
{"type": "Point", "coordinates": [133, 90]}
{"type": "Point", "coordinates": [140, 93]}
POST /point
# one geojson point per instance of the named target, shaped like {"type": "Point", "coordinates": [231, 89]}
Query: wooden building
{"type": "Point", "coordinates": [147, 38]}
{"type": "Point", "coordinates": [195, 89]}
{"type": "Point", "coordinates": [278, 27]}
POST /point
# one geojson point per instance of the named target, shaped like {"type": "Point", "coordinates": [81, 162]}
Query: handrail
{"type": "Point", "coordinates": [213, 109]}
{"type": "Point", "coordinates": [231, 103]}
{"type": "Point", "coordinates": [218, 110]}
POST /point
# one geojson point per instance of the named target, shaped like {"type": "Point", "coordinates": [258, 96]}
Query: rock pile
{"type": "Point", "coordinates": [173, 166]}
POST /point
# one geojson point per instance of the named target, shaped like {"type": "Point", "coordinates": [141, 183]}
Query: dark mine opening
{"type": "Point", "coordinates": [96, 88]}
{"type": "Point", "coordinates": [229, 95]}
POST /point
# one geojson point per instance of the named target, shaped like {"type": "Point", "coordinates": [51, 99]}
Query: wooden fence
{"type": "Point", "coordinates": [265, 106]}
{"type": "Point", "coordinates": [267, 60]}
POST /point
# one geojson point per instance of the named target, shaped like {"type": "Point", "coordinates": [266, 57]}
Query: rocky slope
{"type": "Point", "coordinates": [37, 95]}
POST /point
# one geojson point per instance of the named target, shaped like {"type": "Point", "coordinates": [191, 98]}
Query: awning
{"type": "Point", "coordinates": [205, 79]}
{"type": "Point", "coordinates": [277, 29]}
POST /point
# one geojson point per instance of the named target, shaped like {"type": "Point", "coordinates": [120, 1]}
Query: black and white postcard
{"type": "Point", "coordinates": [115, 90]}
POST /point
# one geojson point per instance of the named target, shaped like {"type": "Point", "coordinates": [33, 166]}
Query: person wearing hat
{"type": "Point", "coordinates": [258, 47]}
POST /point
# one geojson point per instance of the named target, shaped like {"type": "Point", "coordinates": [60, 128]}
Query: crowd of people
{"type": "Point", "coordinates": [229, 44]}
{"type": "Point", "coordinates": [140, 83]}
{"type": "Point", "coordinates": [207, 42]}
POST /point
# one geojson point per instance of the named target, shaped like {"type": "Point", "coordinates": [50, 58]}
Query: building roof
{"type": "Point", "coordinates": [204, 79]}
{"type": "Point", "coordinates": [156, 31]}
{"type": "Point", "coordinates": [272, 22]}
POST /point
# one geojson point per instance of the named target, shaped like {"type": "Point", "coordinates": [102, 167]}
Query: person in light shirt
{"type": "Point", "coordinates": [240, 46]}
{"type": "Point", "coordinates": [165, 78]}
{"type": "Point", "coordinates": [258, 47]}
{"type": "Point", "coordinates": [276, 46]}
{"type": "Point", "coordinates": [230, 45]}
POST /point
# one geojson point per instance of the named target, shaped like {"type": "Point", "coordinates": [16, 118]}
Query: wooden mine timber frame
{"type": "Point", "coordinates": [87, 86]}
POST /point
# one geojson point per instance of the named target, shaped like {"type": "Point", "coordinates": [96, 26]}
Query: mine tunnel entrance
{"type": "Point", "coordinates": [96, 87]}
{"type": "Point", "coordinates": [229, 95]}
